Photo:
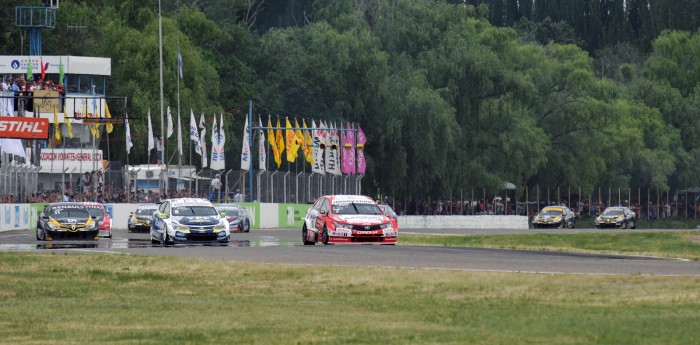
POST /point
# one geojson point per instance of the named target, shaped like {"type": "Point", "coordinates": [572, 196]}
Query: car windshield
{"type": "Point", "coordinates": [613, 212]}
{"type": "Point", "coordinates": [96, 212]}
{"type": "Point", "coordinates": [194, 211]}
{"type": "Point", "coordinates": [387, 209]}
{"type": "Point", "coordinates": [145, 211]}
{"type": "Point", "coordinates": [550, 213]}
{"type": "Point", "coordinates": [65, 212]}
{"type": "Point", "coordinates": [356, 208]}
{"type": "Point", "coordinates": [229, 210]}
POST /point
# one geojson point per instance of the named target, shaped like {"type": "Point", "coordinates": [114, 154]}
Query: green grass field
{"type": "Point", "coordinates": [684, 244]}
{"type": "Point", "coordinates": [132, 299]}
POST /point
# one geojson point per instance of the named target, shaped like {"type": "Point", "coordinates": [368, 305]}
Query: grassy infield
{"type": "Point", "coordinates": [130, 299]}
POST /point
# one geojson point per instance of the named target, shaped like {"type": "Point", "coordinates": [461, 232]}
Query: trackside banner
{"type": "Point", "coordinates": [24, 128]}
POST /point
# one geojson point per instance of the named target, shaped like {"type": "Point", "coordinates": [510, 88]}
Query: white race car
{"type": "Point", "coordinates": [188, 220]}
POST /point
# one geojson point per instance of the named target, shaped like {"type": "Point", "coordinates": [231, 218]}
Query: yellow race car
{"type": "Point", "coordinates": [555, 217]}
{"type": "Point", "coordinates": [617, 217]}
{"type": "Point", "coordinates": [66, 220]}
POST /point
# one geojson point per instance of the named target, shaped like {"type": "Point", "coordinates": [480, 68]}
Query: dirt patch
{"type": "Point", "coordinates": [694, 238]}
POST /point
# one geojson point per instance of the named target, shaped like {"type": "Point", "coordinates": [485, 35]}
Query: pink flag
{"type": "Point", "coordinates": [349, 151]}
{"type": "Point", "coordinates": [361, 140]}
{"type": "Point", "coordinates": [343, 152]}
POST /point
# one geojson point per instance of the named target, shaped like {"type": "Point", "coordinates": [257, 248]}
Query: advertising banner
{"type": "Point", "coordinates": [57, 161]}
{"type": "Point", "coordinates": [45, 101]}
{"type": "Point", "coordinates": [24, 127]}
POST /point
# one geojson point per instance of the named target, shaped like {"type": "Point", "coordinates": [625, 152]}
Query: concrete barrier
{"type": "Point", "coordinates": [270, 216]}
{"type": "Point", "coordinates": [16, 216]}
{"type": "Point", "coordinates": [463, 222]}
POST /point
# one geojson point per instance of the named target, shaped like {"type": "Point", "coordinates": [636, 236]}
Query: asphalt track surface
{"type": "Point", "coordinates": [285, 247]}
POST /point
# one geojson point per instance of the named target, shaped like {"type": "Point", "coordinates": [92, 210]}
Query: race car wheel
{"type": "Point", "coordinates": [634, 225]}
{"type": "Point", "coordinates": [624, 225]}
{"type": "Point", "coordinates": [324, 236]}
{"type": "Point", "coordinates": [304, 234]}
{"type": "Point", "coordinates": [37, 232]}
{"type": "Point", "coordinates": [247, 228]}
{"type": "Point", "coordinates": [164, 238]}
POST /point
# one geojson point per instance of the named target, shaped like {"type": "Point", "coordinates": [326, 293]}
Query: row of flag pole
{"type": "Point", "coordinates": [197, 135]}
{"type": "Point", "coordinates": [328, 148]}
{"type": "Point", "coordinates": [94, 128]}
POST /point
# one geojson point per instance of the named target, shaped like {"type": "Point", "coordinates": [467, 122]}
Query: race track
{"type": "Point", "coordinates": [285, 247]}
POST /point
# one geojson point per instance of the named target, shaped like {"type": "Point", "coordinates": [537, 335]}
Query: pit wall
{"type": "Point", "coordinates": [284, 216]}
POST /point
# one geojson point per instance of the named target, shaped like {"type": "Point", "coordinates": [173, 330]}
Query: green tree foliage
{"type": "Point", "coordinates": [449, 96]}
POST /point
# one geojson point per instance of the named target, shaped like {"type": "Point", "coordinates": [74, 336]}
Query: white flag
{"type": "Point", "coordinates": [222, 135]}
{"type": "Point", "coordinates": [129, 142]}
{"type": "Point", "coordinates": [8, 103]}
{"type": "Point", "coordinates": [214, 129]}
{"type": "Point", "coordinates": [262, 154]}
{"type": "Point", "coordinates": [179, 62]}
{"type": "Point", "coordinates": [170, 124]}
{"type": "Point", "coordinates": [194, 134]}
{"type": "Point", "coordinates": [319, 145]}
{"type": "Point", "coordinates": [332, 153]}
{"type": "Point", "coordinates": [245, 152]}
{"type": "Point", "coordinates": [13, 147]}
{"type": "Point", "coordinates": [203, 141]}
{"type": "Point", "coordinates": [179, 134]}
{"type": "Point", "coordinates": [151, 143]}
{"type": "Point", "coordinates": [218, 138]}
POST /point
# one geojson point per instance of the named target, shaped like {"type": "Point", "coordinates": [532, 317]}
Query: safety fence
{"type": "Point", "coordinates": [20, 181]}
{"type": "Point", "coordinates": [285, 186]}
{"type": "Point", "coordinates": [647, 203]}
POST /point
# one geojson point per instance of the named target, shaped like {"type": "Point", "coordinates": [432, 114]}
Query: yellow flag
{"type": "Point", "coordinates": [66, 121]}
{"type": "Point", "coordinates": [108, 126]}
{"type": "Point", "coordinates": [57, 125]}
{"type": "Point", "coordinates": [307, 144]}
{"type": "Point", "coordinates": [291, 141]}
{"type": "Point", "coordinates": [95, 114]}
{"type": "Point", "coordinates": [299, 139]}
{"type": "Point", "coordinates": [279, 138]}
{"type": "Point", "coordinates": [271, 140]}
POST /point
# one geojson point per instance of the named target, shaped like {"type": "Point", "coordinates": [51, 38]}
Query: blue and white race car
{"type": "Point", "coordinates": [188, 220]}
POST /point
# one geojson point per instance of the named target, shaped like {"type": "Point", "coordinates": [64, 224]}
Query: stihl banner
{"type": "Point", "coordinates": [24, 128]}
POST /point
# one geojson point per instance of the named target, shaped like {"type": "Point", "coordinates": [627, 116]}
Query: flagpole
{"type": "Point", "coordinates": [162, 124]}
{"type": "Point", "coordinates": [179, 155]}
{"type": "Point", "coordinates": [189, 150]}
{"type": "Point", "coordinates": [128, 175]}
{"type": "Point", "coordinates": [250, 143]}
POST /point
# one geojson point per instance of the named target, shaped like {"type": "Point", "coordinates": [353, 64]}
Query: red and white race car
{"type": "Point", "coordinates": [101, 216]}
{"type": "Point", "coordinates": [348, 219]}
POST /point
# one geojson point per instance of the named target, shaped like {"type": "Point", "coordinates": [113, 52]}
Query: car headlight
{"type": "Point", "coordinates": [180, 227]}
{"type": "Point", "coordinates": [343, 226]}
{"type": "Point", "coordinates": [386, 226]}
{"type": "Point", "coordinates": [220, 227]}
{"type": "Point", "coordinates": [54, 226]}
{"type": "Point", "coordinates": [92, 225]}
